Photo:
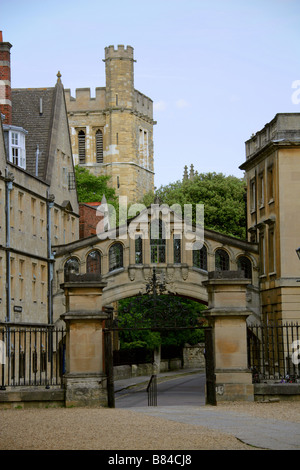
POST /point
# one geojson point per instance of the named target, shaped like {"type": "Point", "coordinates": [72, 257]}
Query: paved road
{"type": "Point", "coordinates": [259, 432]}
{"type": "Point", "coordinates": [187, 390]}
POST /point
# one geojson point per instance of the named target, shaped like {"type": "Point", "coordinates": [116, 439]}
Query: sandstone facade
{"type": "Point", "coordinates": [272, 169]}
{"type": "Point", "coordinates": [112, 133]}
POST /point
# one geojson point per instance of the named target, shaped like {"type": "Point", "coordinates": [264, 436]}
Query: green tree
{"type": "Point", "coordinates": [164, 310]}
{"type": "Point", "coordinates": [91, 188]}
{"type": "Point", "coordinates": [222, 196]}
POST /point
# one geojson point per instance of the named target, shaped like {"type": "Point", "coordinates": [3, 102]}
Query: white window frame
{"type": "Point", "coordinates": [16, 145]}
{"type": "Point", "coordinates": [17, 152]}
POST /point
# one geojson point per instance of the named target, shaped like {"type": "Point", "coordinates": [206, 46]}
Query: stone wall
{"type": "Point", "coordinates": [193, 356]}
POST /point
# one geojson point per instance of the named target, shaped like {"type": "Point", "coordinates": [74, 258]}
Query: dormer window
{"type": "Point", "coordinates": [15, 145]}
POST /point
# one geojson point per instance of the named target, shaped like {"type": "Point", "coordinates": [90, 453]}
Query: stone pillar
{"type": "Point", "coordinates": [227, 314]}
{"type": "Point", "coordinates": [85, 379]}
{"type": "Point", "coordinates": [157, 360]}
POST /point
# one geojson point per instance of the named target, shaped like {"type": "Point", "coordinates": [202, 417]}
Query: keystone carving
{"type": "Point", "coordinates": [184, 273]}
{"type": "Point", "coordinates": [131, 274]}
{"type": "Point", "coordinates": [170, 274]}
{"type": "Point", "coordinates": [147, 273]}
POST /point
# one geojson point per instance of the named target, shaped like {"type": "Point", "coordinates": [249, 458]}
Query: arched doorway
{"type": "Point", "coordinates": [152, 319]}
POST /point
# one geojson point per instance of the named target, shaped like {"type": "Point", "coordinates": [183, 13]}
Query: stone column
{"type": "Point", "coordinates": [227, 314]}
{"type": "Point", "coordinates": [85, 379]}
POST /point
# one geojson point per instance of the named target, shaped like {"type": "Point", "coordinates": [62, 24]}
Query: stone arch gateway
{"type": "Point", "coordinates": [127, 274]}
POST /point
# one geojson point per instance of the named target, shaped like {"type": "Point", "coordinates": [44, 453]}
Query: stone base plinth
{"type": "Point", "coordinates": [234, 386]}
{"type": "Point", "coordinates": [85, 390]}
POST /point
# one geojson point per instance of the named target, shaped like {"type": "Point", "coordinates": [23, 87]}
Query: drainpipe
{"type": "Point", "coordinates": [50, 263]}
{"type": "Point", "coordinates": [37, 154]}
{"type": "Point", "coordinates": [8, 187]}
{"type": "Point", "coordinates": [246, 213]}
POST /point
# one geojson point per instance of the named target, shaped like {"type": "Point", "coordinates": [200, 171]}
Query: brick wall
{"type": "Point", "coordinates": [88, 219]}
{"type": "Point", "coordinates": [5, 80]}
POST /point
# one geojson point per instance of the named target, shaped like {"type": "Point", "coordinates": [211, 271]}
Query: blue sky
{"type": "Point", "coordinates": [216, 70]}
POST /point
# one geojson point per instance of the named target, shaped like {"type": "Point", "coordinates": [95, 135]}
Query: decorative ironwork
{"type": "Point", "coordinates": [157, 309]}
{"type": "Point", "coordinates": [270, 352]}
{"type": "Point", "coordinates": [34, 356]}
{"type": "Point", "coordinates": [152, 391]}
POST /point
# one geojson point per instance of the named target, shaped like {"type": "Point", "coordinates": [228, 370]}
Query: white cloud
{"type": "Point", "coordinates": [160, 106]}
{"type": "Point", "coordinates": [181, 104]}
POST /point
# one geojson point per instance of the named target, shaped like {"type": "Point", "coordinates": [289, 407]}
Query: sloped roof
{"type": "Point", "coordinates": [26, 113]}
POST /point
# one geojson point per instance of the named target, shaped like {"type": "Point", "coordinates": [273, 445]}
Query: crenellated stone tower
{"type": "Point", "coordinates": [112, 133]}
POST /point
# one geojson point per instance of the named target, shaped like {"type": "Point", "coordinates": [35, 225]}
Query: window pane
{"type": "Point", "coordinates": [138, 250]}
{"type": "Point", "coordinates": [244, 264]}
{"type": "Point", "coordinates": [162, 254]}
{"type": "Point", "coordinates": [222, 260]}
{"type": "Point", "coordinates": [177, 249]}
{"type": "Point", "coordinates": [115, 256]}
{"type": "Point", "coordinates": [157, 242]}
{"type": "Point", "coordinates": [71, 267]}
{"type": "Point", "coordinates": [200, 258]}
{"type": "Point", "coordinates": [154, 257]}
{"type": "Point", "coordinates": [15, 154]}
{"type": "Point", "coordinates": [93, 262]}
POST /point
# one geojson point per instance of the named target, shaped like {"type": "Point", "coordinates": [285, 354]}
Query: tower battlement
{"type": "Point", "coordinates": [121, 52]}
{"type": "Point", "coordinates": [83, 101]}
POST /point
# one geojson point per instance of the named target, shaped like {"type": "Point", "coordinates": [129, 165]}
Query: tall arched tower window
{"type": "Point", "coordinates": [222, 260]}
{"type": "Point", "coordinates": [99, 146]}
{"type": "Point", "coordinates": [81, 146]}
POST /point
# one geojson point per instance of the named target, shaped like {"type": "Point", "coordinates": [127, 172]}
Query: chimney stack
{"type": "Point", "coordinates": [5, 81]}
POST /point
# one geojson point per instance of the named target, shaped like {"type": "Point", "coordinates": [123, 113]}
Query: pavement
{"type": "Point", "coordinates": [271, 434]}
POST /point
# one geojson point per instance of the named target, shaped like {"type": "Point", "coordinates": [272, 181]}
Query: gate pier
{"type": "Point", "coordinates": [227, 314]}
{"type": "Point", "coordinates": [85, 379]}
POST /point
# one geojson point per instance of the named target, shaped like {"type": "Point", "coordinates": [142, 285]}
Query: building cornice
{"type": "Point", "coordinates": [265, 151]}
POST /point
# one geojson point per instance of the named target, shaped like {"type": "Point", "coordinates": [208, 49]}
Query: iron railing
{"type": "Point", "coordinates": [152, 391]}
{"type": "Point", "coordinates": [31, 356]}
{"type": "Point", "coordinates": [272, 352]}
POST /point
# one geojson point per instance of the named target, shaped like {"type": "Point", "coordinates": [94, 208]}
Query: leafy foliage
{"type": "Point", "coordinates": [91, 188]}
{"type": "Point", "coordinates": [222, 196]}
{"type": "Point", "coordinates": [150, 313]}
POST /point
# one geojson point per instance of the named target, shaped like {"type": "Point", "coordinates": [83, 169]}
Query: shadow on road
{"type": "Point", "coordinates": [188, 390]}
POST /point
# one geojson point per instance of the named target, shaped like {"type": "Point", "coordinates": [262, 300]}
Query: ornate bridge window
{"type": "Point", "coordinates": [177, 249]}
{"type": "Point", "coordinates": [115, 256]}
{"type": "Point", "coordinates": [200, 257]}
{"type": "Point", "coordinates": [138, 250]}
{"type": "Point", "coordinates": [244, 264]}
{"type": "Point", "coordinates": [93, 262]}
{"type": "Point", "coordinates": [71, 267]}
{"type": "Point", "coordinates": [157, 242]}
{"type": "Point", "coordinates": [222, 260]}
